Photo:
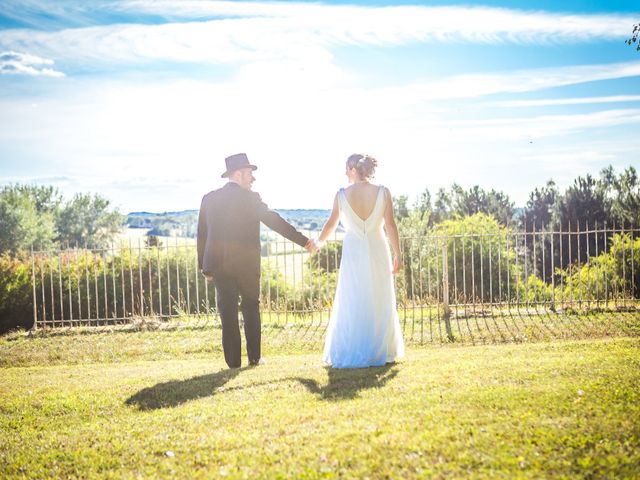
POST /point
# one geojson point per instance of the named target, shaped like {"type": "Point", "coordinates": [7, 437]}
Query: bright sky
{"type": "Point", "coordinates": [141, 100]}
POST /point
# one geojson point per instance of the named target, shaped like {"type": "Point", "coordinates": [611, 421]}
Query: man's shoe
{"type": "Point", "coordinates": [255, 363]}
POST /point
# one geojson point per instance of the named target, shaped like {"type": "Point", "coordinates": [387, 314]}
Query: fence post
{"type": "Point", "coordinates": [445, 291]}
{"type": "Point", "coordinates": [33, 287]}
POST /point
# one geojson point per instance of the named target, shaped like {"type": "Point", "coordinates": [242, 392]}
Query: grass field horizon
{"type": "Point", "coordinates": [154, 404]}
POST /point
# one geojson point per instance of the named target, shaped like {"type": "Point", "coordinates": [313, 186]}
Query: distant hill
{"type": "Point", "coordinates": [153, 214]}
{"type": "Point", "coordinates": [184, 223]}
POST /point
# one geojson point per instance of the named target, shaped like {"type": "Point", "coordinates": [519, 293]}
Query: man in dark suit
{"type": "Point", "coordinates": [229, 254]}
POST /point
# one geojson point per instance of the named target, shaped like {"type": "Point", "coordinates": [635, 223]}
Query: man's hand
{"type": "Point", "coordinates": [208, 277]}
{"type": "Point", "coordinates": [311, 247]}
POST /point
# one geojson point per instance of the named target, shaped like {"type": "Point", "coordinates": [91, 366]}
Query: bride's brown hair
{"type": "Point", "coordinates": [365, 165]}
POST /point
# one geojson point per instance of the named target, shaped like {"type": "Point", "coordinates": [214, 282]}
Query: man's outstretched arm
{"type": "Point", "coordinates": [278, 224]}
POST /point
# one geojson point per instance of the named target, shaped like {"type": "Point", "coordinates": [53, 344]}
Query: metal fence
{"type": "Point", "coordinates": [451, 286]}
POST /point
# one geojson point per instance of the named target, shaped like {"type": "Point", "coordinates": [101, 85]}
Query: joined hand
{"type": "Point", "coordinates": [208, 278]}
{"type": "Point", "coordinates": [311, 247]}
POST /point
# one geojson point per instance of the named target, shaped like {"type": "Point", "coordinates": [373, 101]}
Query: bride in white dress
{"type": "Point", "coordinates": [364, 329]}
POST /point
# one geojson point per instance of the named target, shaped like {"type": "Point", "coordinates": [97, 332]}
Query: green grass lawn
{"type": "Point", "coordinates": [166, 407]}
{"type": "Point", "coordinates": [199, 337]}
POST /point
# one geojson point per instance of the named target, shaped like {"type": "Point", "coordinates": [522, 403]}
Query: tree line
{"type": "Point", "coordinates": [39, 217]}
{"type": "Point", "coordinates": [610, 198]}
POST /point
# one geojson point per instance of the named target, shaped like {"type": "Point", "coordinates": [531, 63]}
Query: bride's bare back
{"type": "Point", "coordinates": [362, 198]}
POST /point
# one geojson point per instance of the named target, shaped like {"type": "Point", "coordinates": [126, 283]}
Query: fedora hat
{"type": "Point", "coordinates": [236, 162]}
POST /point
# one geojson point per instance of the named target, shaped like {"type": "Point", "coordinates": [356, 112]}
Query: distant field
{"type": "Point", "coordinates": [288, 258]}
{"type": "Point", "coordinates": [136, 235]}
{"type": "Point", "coordinates": [292, 266]}
{"type": "Point", "coordinates": [279, 243]}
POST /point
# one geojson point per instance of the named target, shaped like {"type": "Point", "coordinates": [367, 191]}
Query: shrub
{"type": "Point", "coordinates": [480, 256]}
{"type": "Point", "coordinates": [16, 307]}
{"type": "Point", "coordinates": [327, 260]}
{"type": "Point", "coordinates": [610, 275]}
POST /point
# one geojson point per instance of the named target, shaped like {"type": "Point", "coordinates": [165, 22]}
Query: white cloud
{"type": "Point", "coordinates": [564, 163]}
{"type": "Point", "coordinates": [16, 63]}
{"type": "Point", "coordinates": [551, 102]}
{"type": "Point", "coordinates": [160, 146]}
{"type": "Point", "coordinates": [556, 161]}
{"type": "Point", "coordinates": [400, 24]}
{"type": "Point", "coordinates": [477, 85]}
{"type": "Point", "coordinates": [540, 126]}
{"type": "Point", "coordinates": [252, 31]}
{"type": "Point", "coordinates": [47, 14]}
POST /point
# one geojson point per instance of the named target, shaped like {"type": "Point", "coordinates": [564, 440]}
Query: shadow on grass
{"type": "Point", "coordinates": [176, 392]}
{"type": "Point", "coordinates": [345, 384]}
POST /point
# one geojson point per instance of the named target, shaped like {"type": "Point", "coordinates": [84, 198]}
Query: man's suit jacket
{"type": "Point", "coordinates": [229, 231]}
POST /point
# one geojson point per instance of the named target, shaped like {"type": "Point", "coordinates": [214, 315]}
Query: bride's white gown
{"type": "Point", "coordinates": [364, 329]}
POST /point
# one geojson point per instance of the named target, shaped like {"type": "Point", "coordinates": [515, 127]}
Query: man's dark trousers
{"type": "Point", "coordinates": [228, 288]}
{"type": "Point", "coordinates": [229, 251]}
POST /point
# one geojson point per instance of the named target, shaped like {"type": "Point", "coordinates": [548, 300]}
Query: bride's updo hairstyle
{"type": "Point", "coordinates": [364, 165]}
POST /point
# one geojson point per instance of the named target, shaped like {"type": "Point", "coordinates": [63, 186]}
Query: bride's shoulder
{"type": "Point", "coordinates": [380, 188]}
{"type": "Point", "coordinates": [385, 191]}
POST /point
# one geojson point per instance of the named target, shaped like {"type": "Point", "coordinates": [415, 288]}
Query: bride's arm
{"type": "Point", "coordinates": [332, 222]}
{"type": "Point", "coordinates": [392, 231]}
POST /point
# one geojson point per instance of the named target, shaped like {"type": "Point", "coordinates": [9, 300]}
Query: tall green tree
{"type": "Point", "coordinates": [540, 209]}
{"type": "Point", "coordinates": [27, 217]}
{"type": "Point", "coordinates": [500, 207]}
{"type": "Point", "coordinates": [423, 204]}
{"type": "Point", "coordinates": [89, 221]}
{"type": "Point", "coordinates": [624, 192]}
{"type": "Point", "coordinates": [400, 207]}
{"type": "Point", "coordinates": [442, 207]}
{"type": "Point", "coordinates": [414, 226]}
{"type": "Point", "coordinates": [47, 199]}
{"type": "Point", "coordinates": [584, 202]}
{"type": "Point", "coordinates": [459, 203]}
{"type": "Point", "coordinates": [635, 35]}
